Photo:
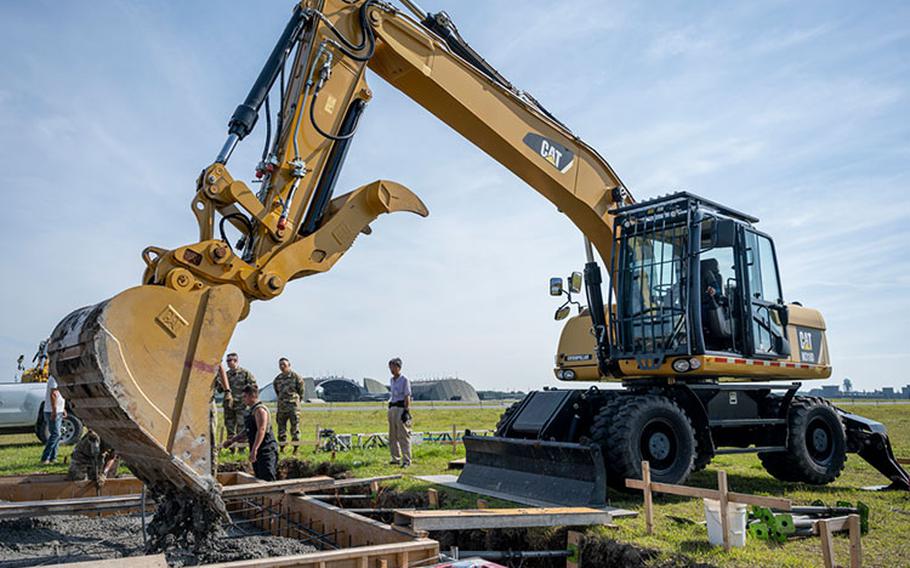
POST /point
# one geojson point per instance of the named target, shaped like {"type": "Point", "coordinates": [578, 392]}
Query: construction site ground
{"type": "Point", "coordinates": [679, 540]}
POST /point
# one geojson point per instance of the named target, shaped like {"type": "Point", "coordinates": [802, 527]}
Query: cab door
{"type": "Point", "coordinates": [765, 329]}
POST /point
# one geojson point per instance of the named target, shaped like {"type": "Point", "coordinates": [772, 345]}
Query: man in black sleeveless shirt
{"type": "Point", "coordinates": [263, 446]}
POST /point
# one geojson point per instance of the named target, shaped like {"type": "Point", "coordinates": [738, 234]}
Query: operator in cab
{"type": "Point", "coordinates": [263, 446]}
{"type": "Point", "coordinates": [399, 415]}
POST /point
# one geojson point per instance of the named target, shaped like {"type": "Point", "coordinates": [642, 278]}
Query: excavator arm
{"type": "Point", "coordinates": [140, 367]}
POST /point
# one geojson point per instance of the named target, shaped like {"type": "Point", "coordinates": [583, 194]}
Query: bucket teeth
{"type": "Point", "coordinates": [139, 369]}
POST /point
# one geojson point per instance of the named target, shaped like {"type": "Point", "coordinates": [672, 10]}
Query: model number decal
{"type": "Point", "coordinates": [809, 344]}
{"type": "Point", "coordinates": [579, 357]}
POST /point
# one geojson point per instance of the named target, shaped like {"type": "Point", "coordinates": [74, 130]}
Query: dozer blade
{"type": "Point", "coordinates": [139, 370]}
{"type": "Point", "coordinates": [555, 472]}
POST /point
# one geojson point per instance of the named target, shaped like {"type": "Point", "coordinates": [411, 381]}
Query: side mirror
{"type": "Point", "coordinates": [562, 313]}
{"type": "Point", "coordinates": [556, 286]}
{"type": "Point", "coordinates": [724, 233]}
{"type": "Point", "coordinates": [575, 282]}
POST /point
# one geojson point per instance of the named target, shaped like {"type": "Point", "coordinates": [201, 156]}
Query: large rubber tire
{"type": "Point", "coordinates": [600, 434]}
{"type": "Point", "coordinates": [702, 457]}
{"type": "Point", "coordinates": [817, 444]}
{"type": "Point", "coordinates": [70, 430]}
{"type": "Point", "coordinates": [646, 427]}
{"type": "Point", "coordinates": [505, 417]}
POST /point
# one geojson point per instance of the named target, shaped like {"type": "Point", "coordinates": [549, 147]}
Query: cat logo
{"type": "Point", "coordinates": [805, 341]}
{"type": "Point", "coordinates": [558, 155]}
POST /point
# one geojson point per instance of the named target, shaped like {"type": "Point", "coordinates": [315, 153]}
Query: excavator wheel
{"type": "Point", "coordinates": [817, 444]}
{"type": "Point", "coordinates": [704, 452]}
{"type": "Point", "coordinates": [648, 427]}
{"type": "Point", "coordinates": [600, 435]}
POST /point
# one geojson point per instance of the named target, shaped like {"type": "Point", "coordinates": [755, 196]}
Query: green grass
{"type": "Point", "coordinates": [887, 543]}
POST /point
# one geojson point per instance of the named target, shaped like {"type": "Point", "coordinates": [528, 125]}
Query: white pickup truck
{"type": "Point", "coordinates": [22, 411]}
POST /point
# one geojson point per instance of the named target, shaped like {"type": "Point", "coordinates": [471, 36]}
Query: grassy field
{"type": "Point", "coordinates": [887, 543]}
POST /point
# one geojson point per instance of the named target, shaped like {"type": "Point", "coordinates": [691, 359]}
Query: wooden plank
{"type": "Point", "coordinates": [778, 503]}
{"type": "Point", "coordinates": [856, 545]}
{"type": "Point", "coordinates": [649, 501]}
{"type": "Point", "coordinates": [724, 517]}
{"type": "Point", "coordinates": [573, 540]}
{"type": "Point", "coordinates": [267, 487]}
{"type": "Point", "coordinates": [151, 561]}
{"type": "Point", "coordinates": [416, 550]}
{"type": "Point", "coordinates": [903, 461]}
{"type": "Point", "coordinates": [463, 519]}
{"type": "Point", "coordinates": [457, 463]}
{"type": "Point", "coordinates": [65, 506]}
{"type": "Point", "coordinates": [827, 543]}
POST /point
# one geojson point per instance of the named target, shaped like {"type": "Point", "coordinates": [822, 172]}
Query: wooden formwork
{"type": "Point", "coordinates": [356, 541]}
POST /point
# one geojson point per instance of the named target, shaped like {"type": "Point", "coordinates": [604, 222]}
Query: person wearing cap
{"type": "Point", "coordinates": [399, 415]}
{"type": "Point", "coordinates": [238, 379]}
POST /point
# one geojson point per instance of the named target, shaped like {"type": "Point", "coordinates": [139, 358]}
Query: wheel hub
{"type": "Point", "coordinates": [659, 445]}
{"type": "Point", "coordinates": [66, 431]}
{"type": "Point", "coordinates": [820, 440]}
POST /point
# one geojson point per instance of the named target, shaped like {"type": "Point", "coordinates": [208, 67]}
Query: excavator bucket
{"type": "Point", "coordinates": [555, 472]}
{"type": "Point", "coordinates": [139, 369]}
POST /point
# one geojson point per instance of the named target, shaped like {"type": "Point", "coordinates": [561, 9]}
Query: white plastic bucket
{"type": "Point", "coordinates": [736, 523]}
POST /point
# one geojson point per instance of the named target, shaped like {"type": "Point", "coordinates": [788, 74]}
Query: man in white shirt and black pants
{"type": "Point", "coordinates": [399, 415]}
{"type": "Point", "coordinates": [54, 411]}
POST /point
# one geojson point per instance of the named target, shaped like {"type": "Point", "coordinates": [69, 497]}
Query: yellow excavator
{"type": "Point", "coordinates": [693, 323]}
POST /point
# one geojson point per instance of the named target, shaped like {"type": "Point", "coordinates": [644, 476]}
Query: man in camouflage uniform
{"type": "Point", "coordinates": [92, 459]}
{"type": "Point", "coordinates": [234, 411]}
{"type": "Point", "coordinates": [289, 390]}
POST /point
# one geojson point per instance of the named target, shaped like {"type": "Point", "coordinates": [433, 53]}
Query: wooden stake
{"type": "Point", "coordinates": [649, 500]}
{"type": "Point", "coordinates": [824, 531]}
{"type": "Point", "coordinates": [573, 539]}
{"type": "Point", "coordinates": [454, 438]}
{"type": "Point", "coordinates": [856, 546]}
{"type": "Point", "coordinates": [724, 520]}
{"type": "Point", "coordinates": [433, 498]}
{"type": "Point", "coordinates": [482, 504]}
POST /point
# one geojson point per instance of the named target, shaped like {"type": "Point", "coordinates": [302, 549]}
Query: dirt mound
{"type": "Point", "coordinates": [391, 499]}
{"type": "Point", "coordinates": [602, 551]}
{"type": "Point", "coordinates": [293, 468]}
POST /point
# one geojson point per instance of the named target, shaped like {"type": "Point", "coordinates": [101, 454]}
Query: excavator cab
{"type": "Point", "coordinates": [692, 278]}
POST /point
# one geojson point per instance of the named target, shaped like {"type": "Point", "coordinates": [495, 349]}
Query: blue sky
{"type": "Point", "coordinates": [796, 112]}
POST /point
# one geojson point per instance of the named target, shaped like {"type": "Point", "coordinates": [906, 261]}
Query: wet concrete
{"type": "Point", "coordinates": [76, 538]}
